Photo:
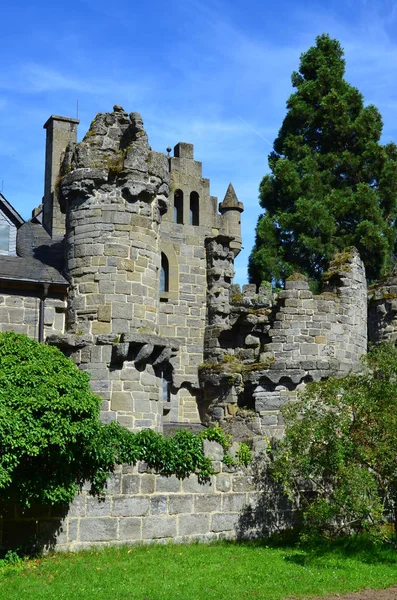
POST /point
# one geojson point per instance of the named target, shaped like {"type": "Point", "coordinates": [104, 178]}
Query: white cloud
{"type": "Point", "coordinates": [221, 85]}
{"type": "Point", "coordinates": [34, 78]}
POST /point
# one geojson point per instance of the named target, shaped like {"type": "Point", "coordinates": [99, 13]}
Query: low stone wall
{"type": "Point", "coordinates": [142, 507]}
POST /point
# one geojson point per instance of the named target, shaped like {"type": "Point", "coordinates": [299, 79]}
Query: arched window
{"type": "Point", "coordinates": [169, 273]}
{"type": "Point", "coordinates": [194, 208]}
{"type": "Point", "coordinates": [164, 274]}
{"type": "Point", "coordinates": [178, 207]}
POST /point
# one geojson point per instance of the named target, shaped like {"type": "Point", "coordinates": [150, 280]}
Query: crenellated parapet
{"type": "Point", "coordinates": [271, 345]}
{"type": "Point", "coordinates": [325, 331]}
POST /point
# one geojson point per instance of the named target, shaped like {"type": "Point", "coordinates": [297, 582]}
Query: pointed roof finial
{"type": "Point", "coordinates": [230, 200]}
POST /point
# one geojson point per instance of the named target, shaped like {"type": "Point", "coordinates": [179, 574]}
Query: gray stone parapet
{"type": "Point", "coordinates": [382, 311]}
{"type": "Point", "coordinates": [274, 345]}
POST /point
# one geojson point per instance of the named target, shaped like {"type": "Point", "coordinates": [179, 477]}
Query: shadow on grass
{"type": "Point", "coordinates": [363, 548]}
{"type": "Point", "coordinates": [274, 521]}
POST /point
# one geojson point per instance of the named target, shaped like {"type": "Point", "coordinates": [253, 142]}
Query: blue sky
{"type": "Point", "coordinates": [215, 73]}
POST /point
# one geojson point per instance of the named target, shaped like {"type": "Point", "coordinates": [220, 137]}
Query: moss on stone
{"type": "Point", "coordinates": [90, 133]}
{"type": "Point", "coordinates": [297, 277]}
{"type": "Point", "coordinates": [339, 264]}
{"type": "Point", "coordinates": [376, 292]}
{"type": "Point", "coordinates": [232, 364]}
{"type": "Point", "coordinates": [237, 298]}
{"type": "Point", "coordinates": [115, 164]}
{"type": "Point", "coordinates": [260, 312]}
{"type": "Point", "coordinates": [257, 366]}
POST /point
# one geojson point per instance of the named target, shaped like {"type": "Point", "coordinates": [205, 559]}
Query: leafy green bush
{"type": "Point", "coordinates": [339, 452]}
{"type": "Point", "coordinates": [49, 424]}
{"type": "Point", "coordinates": [51, 439]}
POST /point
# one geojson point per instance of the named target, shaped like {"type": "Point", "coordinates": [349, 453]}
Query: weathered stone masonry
{"type": "Point", "coordinates": [141, 343]}
{"type": "Point", "coordinates": [128, 267]}
{"type": "Point", "coordinates": [141, 506]}
{"type": "Point", "coordinates": [262, 350]}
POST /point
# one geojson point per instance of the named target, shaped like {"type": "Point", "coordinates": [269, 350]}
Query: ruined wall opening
{"type": "Point", "coordinates": [166, 389]}
{"type": "Point", "coordinates": [178, 207]}
{"type": "Point", "coordinates": [194, 209]}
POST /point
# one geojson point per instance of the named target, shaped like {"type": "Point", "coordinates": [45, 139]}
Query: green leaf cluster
{"type": "Point", "coordinates": [338, 458]}
{"type": "Point", "coordinates": [51, 438]}
{"type": "Point", "coordinates": [332, 184]}
{"type": "Point", "coordinates": [244, 455]}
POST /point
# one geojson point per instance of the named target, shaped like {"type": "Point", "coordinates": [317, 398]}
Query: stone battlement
{"type": "Point", "coordinates": [275, 344]}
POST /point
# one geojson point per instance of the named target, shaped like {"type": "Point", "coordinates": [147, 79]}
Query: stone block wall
{"type": "Point", "coordinates": [327, 331]}
{"type": "Point", "coordinates": [183, 311]}
{"type": "Point", "coordinates": [382, 311]}
{"type": "Point", "coordinates": [19, 312]}
{"type": "Point", "coordinates": [126, 372]}
{"type": "Point", "coordinates": [264, 349]}
{"type": "Point", "coordinates": [142, 507]}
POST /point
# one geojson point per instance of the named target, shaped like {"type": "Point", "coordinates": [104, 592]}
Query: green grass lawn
{"type": "Point", "coordinates": [219, 571]}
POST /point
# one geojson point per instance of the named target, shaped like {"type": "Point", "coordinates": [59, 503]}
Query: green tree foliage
{"type": "Point", "coordinates": [332, 184]}
{"type": "Point", "coordinates": [51, 439]}
{"type": "Point", "coordinates": [341, 443]}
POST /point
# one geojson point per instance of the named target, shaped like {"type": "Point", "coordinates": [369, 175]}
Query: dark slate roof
{"type": "Point", "coordinates": [40, 258]}
{"type": "Point", "coordinates": [28, 269]}
{"type": "Point", "coordinates": [33, 240]}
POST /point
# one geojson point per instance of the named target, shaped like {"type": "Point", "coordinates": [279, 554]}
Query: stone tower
{"type": "Point", "coordinates": [187, 233]}
{"type": "Point", "coordinates": [231, 210]}
{"type": "Point", "coordinates": [114, 192]}
{"type": "Point", "coordinates": [137, 263]}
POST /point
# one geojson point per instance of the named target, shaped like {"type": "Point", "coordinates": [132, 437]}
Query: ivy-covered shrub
{"type": "Point", "coordinates": [51, 438]}
{"type": "Point", "coordinates": [338, 457]}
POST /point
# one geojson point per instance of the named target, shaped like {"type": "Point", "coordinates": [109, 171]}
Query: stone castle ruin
{"type": "Point", "coordinates": [127, 266]}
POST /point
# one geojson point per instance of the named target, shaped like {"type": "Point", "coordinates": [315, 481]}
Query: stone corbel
{"type": "Point", "coordinates": [142, 348]}
{"type": "Point", "coordinates": [164, 356]}
{"type": "Point", "coordinates": [144, 353]}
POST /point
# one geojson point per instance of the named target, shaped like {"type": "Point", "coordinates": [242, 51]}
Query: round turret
{"type": "Point", "coordinates": [231, 210]}
{"type": "Point", "coordinates": [114, 195]}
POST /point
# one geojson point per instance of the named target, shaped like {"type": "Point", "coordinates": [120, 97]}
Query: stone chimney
{"type": "Point", "coordinates": [60, 132]}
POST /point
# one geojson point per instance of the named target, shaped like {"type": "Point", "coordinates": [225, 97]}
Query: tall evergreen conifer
{"type": "Point", "coordinates": [332, 184]}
